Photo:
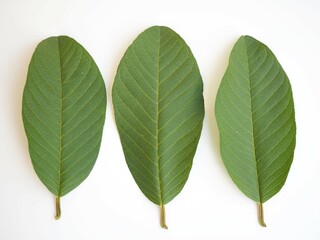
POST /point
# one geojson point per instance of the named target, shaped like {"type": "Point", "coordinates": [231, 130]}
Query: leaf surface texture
{"type": "Point", "coordinates": [158, 104]}
{"type": "Point", "coordinates": [256, 119]}
{"type": "Point", "coordinates": [64, 104]}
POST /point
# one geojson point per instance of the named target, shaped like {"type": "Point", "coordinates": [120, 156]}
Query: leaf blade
{"type": "Point", "coordinates": [156, 79]}
{"type": "Point", "coordinates": [255, 115]}
{"type": "Point", "coordinates": [63, 106]}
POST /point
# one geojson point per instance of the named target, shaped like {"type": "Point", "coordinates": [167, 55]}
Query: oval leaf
{"type": "Point", "coordinates": [158, 104]}
{"type": "Point", "coordinates": [255, 114]}
{"type": "Point", "coordinates": [64, 104]}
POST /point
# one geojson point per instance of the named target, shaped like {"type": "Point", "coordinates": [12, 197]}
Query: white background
{"type": "Point", "coordinates": [108, 204]}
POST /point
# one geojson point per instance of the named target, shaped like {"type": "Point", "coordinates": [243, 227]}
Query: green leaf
{"type": "Point", "coordinates": [64, 104]}
{"type": "Point", "coordinates": [255, 114]}
{"type": "Point", "coordinates": [158, 105]}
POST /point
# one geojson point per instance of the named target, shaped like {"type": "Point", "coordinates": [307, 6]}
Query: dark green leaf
{"type": "Point", "coordinates": [158, 104]}
{"type": "Point", "coordinates": [64, 103]}
{"type": "Point", "coordinates": [255, 115]}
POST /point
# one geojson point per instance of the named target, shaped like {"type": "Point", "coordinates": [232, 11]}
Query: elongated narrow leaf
{"type": "Point", "coordinates": [255, 114]}
{"type": "Point", "coordinates": [158, 103]}
{"type": "Point", "coordinates": [64, 103]}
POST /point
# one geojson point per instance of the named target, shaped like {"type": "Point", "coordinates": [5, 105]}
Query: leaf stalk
{"type": "Point", "coordinates": [260, 215]}
{"type": "Point", "coordinates": [163, 217]}
{"type": "Point", "coordinates": [58, 208]}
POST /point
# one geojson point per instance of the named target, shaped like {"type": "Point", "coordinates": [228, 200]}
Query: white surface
{"type": "Point", "coordinates": [109, 205]}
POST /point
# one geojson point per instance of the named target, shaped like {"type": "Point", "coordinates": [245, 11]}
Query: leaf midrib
{"type": "Point", "coordinates": [252, 122]}
{"type": "Point", "coordinates": [61, 120]}
{"type": "Point", "coordinates": [157, 122]}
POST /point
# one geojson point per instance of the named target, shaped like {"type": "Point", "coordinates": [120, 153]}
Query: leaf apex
{"type": "Point", "coordinates": [248, 38]}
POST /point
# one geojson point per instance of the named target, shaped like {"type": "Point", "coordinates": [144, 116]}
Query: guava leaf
{"type": "Point", "coordinates": [255, 115]}
{"type": "Point", "coordinates": [64, 104]}
{"type": "Point", "coordinates": [159, 110]}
